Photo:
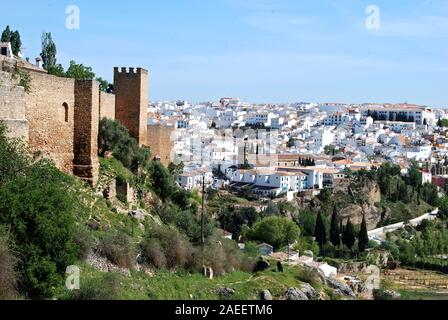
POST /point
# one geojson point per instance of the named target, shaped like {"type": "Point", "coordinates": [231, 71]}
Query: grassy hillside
{"type": "Point", "coordinates": [166, 285]}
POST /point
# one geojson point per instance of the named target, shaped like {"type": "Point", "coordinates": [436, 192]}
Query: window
{"type": "Point", "coordinates": [65, 105]}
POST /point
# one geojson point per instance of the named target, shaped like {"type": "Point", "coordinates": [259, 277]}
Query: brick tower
{"type": "Point", "coordinates": [131, 101]}
{"type": "Point", "coordinates": [86, 120]}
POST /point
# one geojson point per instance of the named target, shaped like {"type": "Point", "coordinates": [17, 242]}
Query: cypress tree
{"type": "Point", "coordinates": [6, 35]}
{"type": "Point", "coordinates": [363, 240]}
{"type": "Point", "coordinates": [348, 237]}
{"type": "Point", "coordinates": [16, 43]}
{"type": "Point", "coordinates": [335, 236]}
{"type": "Point", "coordinates": [319, 232]}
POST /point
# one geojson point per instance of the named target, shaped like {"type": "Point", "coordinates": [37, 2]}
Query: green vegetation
{"type": "Point", "coordinates": [442, 123]}
{"type": "Point", "coordinates": [291, 142]}
{"type": "Point", "coordinates": [114, 138]}
{"type": "Point", "coordinates": [75, 70]}
{"type": "Point", "coordinates": [166, 285]}
{"type": "Point", "coordinates": [14, 38]}
{"type": "Point", "coordinates": [39, 205]}
{"type": "Point", "coordinates": [335, 233]}
{"type": "Point", "coordinates": [79, 71]}
{"type": "Point", "coordinates": [104, 84]}
{"type": "Point", "coordinates": [363, 240]}
{"type": "Point", "coordinates": [422, 247]}
{"type": "Point", "coordinates": [331, 150]}
{"type": "Point", "coordinates": [276, 231]}
{"type": "Point", "coordinates": [320, 232]}
{"type": "Point", "coordinates": [8, 280]}
{"type": "Point", "coordinates": [348, 235]}
{"type": "Point", "coordinates": [48, 54]}
{"type": "Point", "coordinates": [24, 78]}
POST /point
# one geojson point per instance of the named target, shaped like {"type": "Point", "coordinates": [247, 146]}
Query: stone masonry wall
{"type": "Point", "coordinates": [86, 119]}
{"type": "Point", "coordinates": [131, 101]}
{"type": "Point", "coordinates": [50, 113]}
{"type": "Point", "coordinates": [12, 107]}
{"type": "Point", "coordinates": [107, 105]}
{"type": "Point", "coordinates": [159, 140]}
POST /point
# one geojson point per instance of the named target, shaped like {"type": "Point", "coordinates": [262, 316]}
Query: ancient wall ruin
{"type": "Point", "coordinates": [107, 105]}
{"type": "Point", "coordinates": [160, 141]}
{"type": "Point", "coordinates": [59, 117]}
{"type": "Point", "coordinates": [87, 112]}
{"type": "Point", "coordinates": [12, 107]}
{"type": "Point", "coordinates": [131, 101]}
{"type": "Point", "coordinates": [50, 113]}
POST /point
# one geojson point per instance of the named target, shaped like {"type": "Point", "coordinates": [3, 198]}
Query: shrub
{"type": "Point", "coordinates": [106, 287]}
{"type": "Point", "coordinates": [223, 255]}
{"type": "Point", "coordinates": [85, 242]}
{"type": "Point", "coordinates": [39, 207]}
{"type": "Point", "coordinates": [309, 275]}
{"type": "Point", "coordinates": [114, 137]}
{"type": "Point", "coordinates": [8, 281]}
{"type": "Point", "coordinates": [153, 253]}
{"type": "Point", "coordinates": [13, 161]}
{"type": "Point", "coordinates": [118, 248]}
{"type": "Point", "coordinates": [276, 231]}
{"type": "Point", "coordinates": [165, 246]}
{"type": "Point", "coordinates": [307, 222]}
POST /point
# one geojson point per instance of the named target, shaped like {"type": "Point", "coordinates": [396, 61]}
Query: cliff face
{"type": "Point", "coordinates": [352, 200]}
{"type": "Point", "coordinates": [371, 195]}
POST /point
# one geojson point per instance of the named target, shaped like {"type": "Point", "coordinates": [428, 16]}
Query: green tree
{"type": "Point", "coordinates": [232, 219]}
{"type": "Point", "coordinates": [320, 232]}
{"type": "Point", "coordinates": [79, 71]}
{"type": "Point", "coordinates": [8, 277]}
{"type": "Point", "coordinates": [13, 159]}
{"type": "Point", "coordinates": [307, 223]}
{"type": "Point", "coordinates": [39, 205]}
{"type": "Point", "coordinates": [162, 181]}
{"type": "Point", "coordinates": [104, 84]}
{"type": "Point", "coordinates": [49, 51]}
{"type": "Point", "coordinates": [291, 142]}
{"type": "Point", "coordinates": [16, 43]}
{"type": "Point", "coordinates": [57, 70]}
{"type": "Point", "coordinates": [348, 237]}
{"type": "Point", "coordinates": [442, 204]}
{"type": "Point", "coordinates": [176, 169]}
{"type": "Point", "coordinates": [415, 175]}
{"type": "Point", "coordinates": [403, 193]}
{"type": "Point", "coordinates": [276, 231]}
{"type": "Point", "coordinates": [6, 34]}
{"type": "Point", "coordinates": [114, 137]}
{"type": "Point", "coordinates": [363, 240]}
{"type": "Point", "coordinates": [14, 38]}
{"type": "Point", "coordinates": [335, 236]}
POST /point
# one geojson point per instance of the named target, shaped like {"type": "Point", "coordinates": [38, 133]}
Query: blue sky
{"type": "Point", "coordinates": [259, 50]}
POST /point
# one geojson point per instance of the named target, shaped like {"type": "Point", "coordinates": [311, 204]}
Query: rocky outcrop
{"type": "Point", "coordinates": [353, 201]}
{"type": "Point", "coordinates": [266, 295]}
{"type": "Point", "coordinates": [294, 294]}
{"type": "Point", "coordinates": [309, 291]}
{"type": "Point", "coordinates": [104, 265]}
{"type": "Point", "coordinates": [226, 293]}
{"type": "Point", "coordinates": [340, 288]}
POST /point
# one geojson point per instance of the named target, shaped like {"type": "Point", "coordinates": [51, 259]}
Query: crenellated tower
{"type": "Point", "coordinates": [131, 101]}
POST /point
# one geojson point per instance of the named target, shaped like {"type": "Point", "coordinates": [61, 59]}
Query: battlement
{"type": "Point", "coordinates": [124, 71]}
{"type": "Point", "coordinates": [131, 100]}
